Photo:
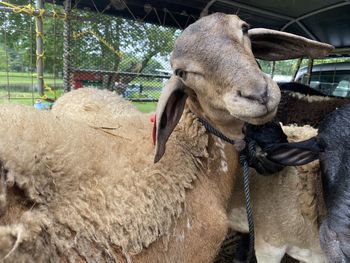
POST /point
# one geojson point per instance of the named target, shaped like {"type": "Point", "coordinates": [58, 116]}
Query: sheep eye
{"type": "Point", "coordinates": [245, 29]}
{"type": "Point", "coordinates": [181, 73]}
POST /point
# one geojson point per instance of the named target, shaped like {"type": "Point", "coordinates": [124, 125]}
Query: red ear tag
{"type": "Point", "coordinates": [153, 119]}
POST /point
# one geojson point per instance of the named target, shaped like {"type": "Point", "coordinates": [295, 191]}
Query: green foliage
{"type": "Point", "coordinates": [285, 67]}
{"type": "Point", "coordinates": [332, 60]}
{"type": "Point", "coordinates": [16, 38]}
{"type": "Point", "coordinates": [288, 67]}
{"type": "Point", "coordinates": [3, 58]}
{"type": "Point", "coordinates": [139, 43]}
{"type": "Point", "coordinates": [128, 62]}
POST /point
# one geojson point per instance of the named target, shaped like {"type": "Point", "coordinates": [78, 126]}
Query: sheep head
{"type": "Point", "coordinates": [215, 71]}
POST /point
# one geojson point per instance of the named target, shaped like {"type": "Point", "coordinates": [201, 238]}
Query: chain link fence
{"type": "Point", "coordinates": [127, 56]}
{"type": "Point", "coordinates": [19, 57]}
{"type": "Point", "coordinates": [81, 48]}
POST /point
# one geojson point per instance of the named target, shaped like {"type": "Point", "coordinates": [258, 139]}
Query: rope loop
{"type": "Point", "coordinates": [54, 13]}
{"type": "Point", "coordinates": [39, 56]}
{"type": "Point", "coordinates": [41, 13]}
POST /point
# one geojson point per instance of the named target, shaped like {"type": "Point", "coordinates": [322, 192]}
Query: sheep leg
{"type": "Point", "coordinates": [266, 253]}
{"type": "Point", "coordinates": [242, 249]}
{"type": "Point", "coordinates": [307, 255]}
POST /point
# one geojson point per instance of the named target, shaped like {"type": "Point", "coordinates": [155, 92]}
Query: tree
{"type": "Point", "coordinates": [99, 42]}
{"type": "Point", "coordinates": [15, 38]}
{"type": "Point", "coordinates": [127, 45]}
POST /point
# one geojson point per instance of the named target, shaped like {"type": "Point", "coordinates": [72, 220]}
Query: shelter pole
{"type": "Point", "coordinates": [273, 68]}
{"type": "Point", "coordinates": [309, 70]}
{"type": "Point", "coordinates": [66, 46]}
{"type": "Point", "coordinates": [297, 67]}
{"type": "Point", "coordinates": [39, 4]}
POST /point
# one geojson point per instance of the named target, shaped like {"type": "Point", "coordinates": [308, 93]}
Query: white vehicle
{"type": "Point", "coordinates": [331, 79]}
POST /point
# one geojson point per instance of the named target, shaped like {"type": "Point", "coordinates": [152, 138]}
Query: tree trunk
{"type": "Point", "coordinates": [138, 67]}
{"type": "Point", "coordinates": [111, 34]}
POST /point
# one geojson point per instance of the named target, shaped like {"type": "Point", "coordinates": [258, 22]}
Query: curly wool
{"type": "Point", "coordinates": [97, 108]}
{"type": "Point", "coordinates": [309, 185]}
{"type": "Point", "coordinates": [88, 189]}
{"type": "Point", "coordinates": [290, 212]}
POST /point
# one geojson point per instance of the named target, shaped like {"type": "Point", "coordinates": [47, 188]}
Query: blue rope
{"type": "Point", "coordinates": [244, 163]}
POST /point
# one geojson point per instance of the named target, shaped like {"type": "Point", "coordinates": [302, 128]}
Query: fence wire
{"type": "Point", "coordinates": [106, 52]}
{"type": "Point", "coordinates": [127, 56]}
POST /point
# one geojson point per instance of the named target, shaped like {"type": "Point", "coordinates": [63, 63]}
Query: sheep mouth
{"type": "Point", "coordinates": [256, 114]}
{"type": "Point", "coordinates": [252, 112]}
{"type": "Point", "coordinates": [259, 119]}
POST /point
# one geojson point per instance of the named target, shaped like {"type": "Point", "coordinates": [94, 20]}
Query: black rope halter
{"type": "Point", "coordinates": [244, 156]}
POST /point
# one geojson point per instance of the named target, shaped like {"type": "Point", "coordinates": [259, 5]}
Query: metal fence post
{"type": "Point", "coordinates": [39, 4]}
{"type": "Point", "coordinates": [66, 47]}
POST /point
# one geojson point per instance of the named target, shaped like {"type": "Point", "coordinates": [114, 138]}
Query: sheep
{"type": "Point", "coordinates": [296, 215]}
{"type": "Point", "coordinates": [333, 141]}
{"type": "Point", "coordinates": [285, 209]}
{"type": "Point", "coordinates": [99, 109]}
{"type": "Point", "coordinates": [301, 109]}
{"type": "Point", "coordinates": [70, 191]}
{"type": "Point", "coordinates": [93, 106]}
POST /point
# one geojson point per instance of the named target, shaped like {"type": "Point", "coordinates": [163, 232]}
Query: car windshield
{"type": "Point", "coordinates": [330, 76]}
{"type": "Point", "coordinates": [331, 83]}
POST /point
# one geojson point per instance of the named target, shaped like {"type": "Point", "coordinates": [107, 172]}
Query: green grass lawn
{"type": "Point", "coordinates": [26, 98]}
{"type": "Point", "coordinates": [145, 107]}
{"type": "Point", "coordinates": [23, 95]}
{"type": "Point", "coordinates": [26, 78]}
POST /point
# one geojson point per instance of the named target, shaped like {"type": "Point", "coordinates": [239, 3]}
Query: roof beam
{"type": "Point", "coordinates": [341, 51]}
{"type": "Point", "coordinates": [307, 31]}
{"type": "Point", "coordinates": [255, 9]}
{"type": "Point", "coordinates": [269, 13]}
{"type": "Point", "coordinates": [205, 10]}
{"type": "Point", "coordinates": [347, 2]}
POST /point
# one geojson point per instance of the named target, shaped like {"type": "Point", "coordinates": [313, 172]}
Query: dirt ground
{"type": "Point", "coordinates": [228, 248]}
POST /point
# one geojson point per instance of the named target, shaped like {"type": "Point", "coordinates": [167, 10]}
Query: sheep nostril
{"type": "Point", "coordinates": [264, 98]}
{"type": "Point", "coordinates": [261, 97]}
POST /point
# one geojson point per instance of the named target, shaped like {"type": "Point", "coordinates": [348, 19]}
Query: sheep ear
{"type": "Point", "coordinates": [169, 110]}
{"type": "Point", "coordinates": [293, 154]}
{"type": "Point", "coordinates": [270, 44]}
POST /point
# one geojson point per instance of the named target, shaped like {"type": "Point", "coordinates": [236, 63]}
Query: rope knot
{"type": "Point", "coordinates": [258, 159]}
